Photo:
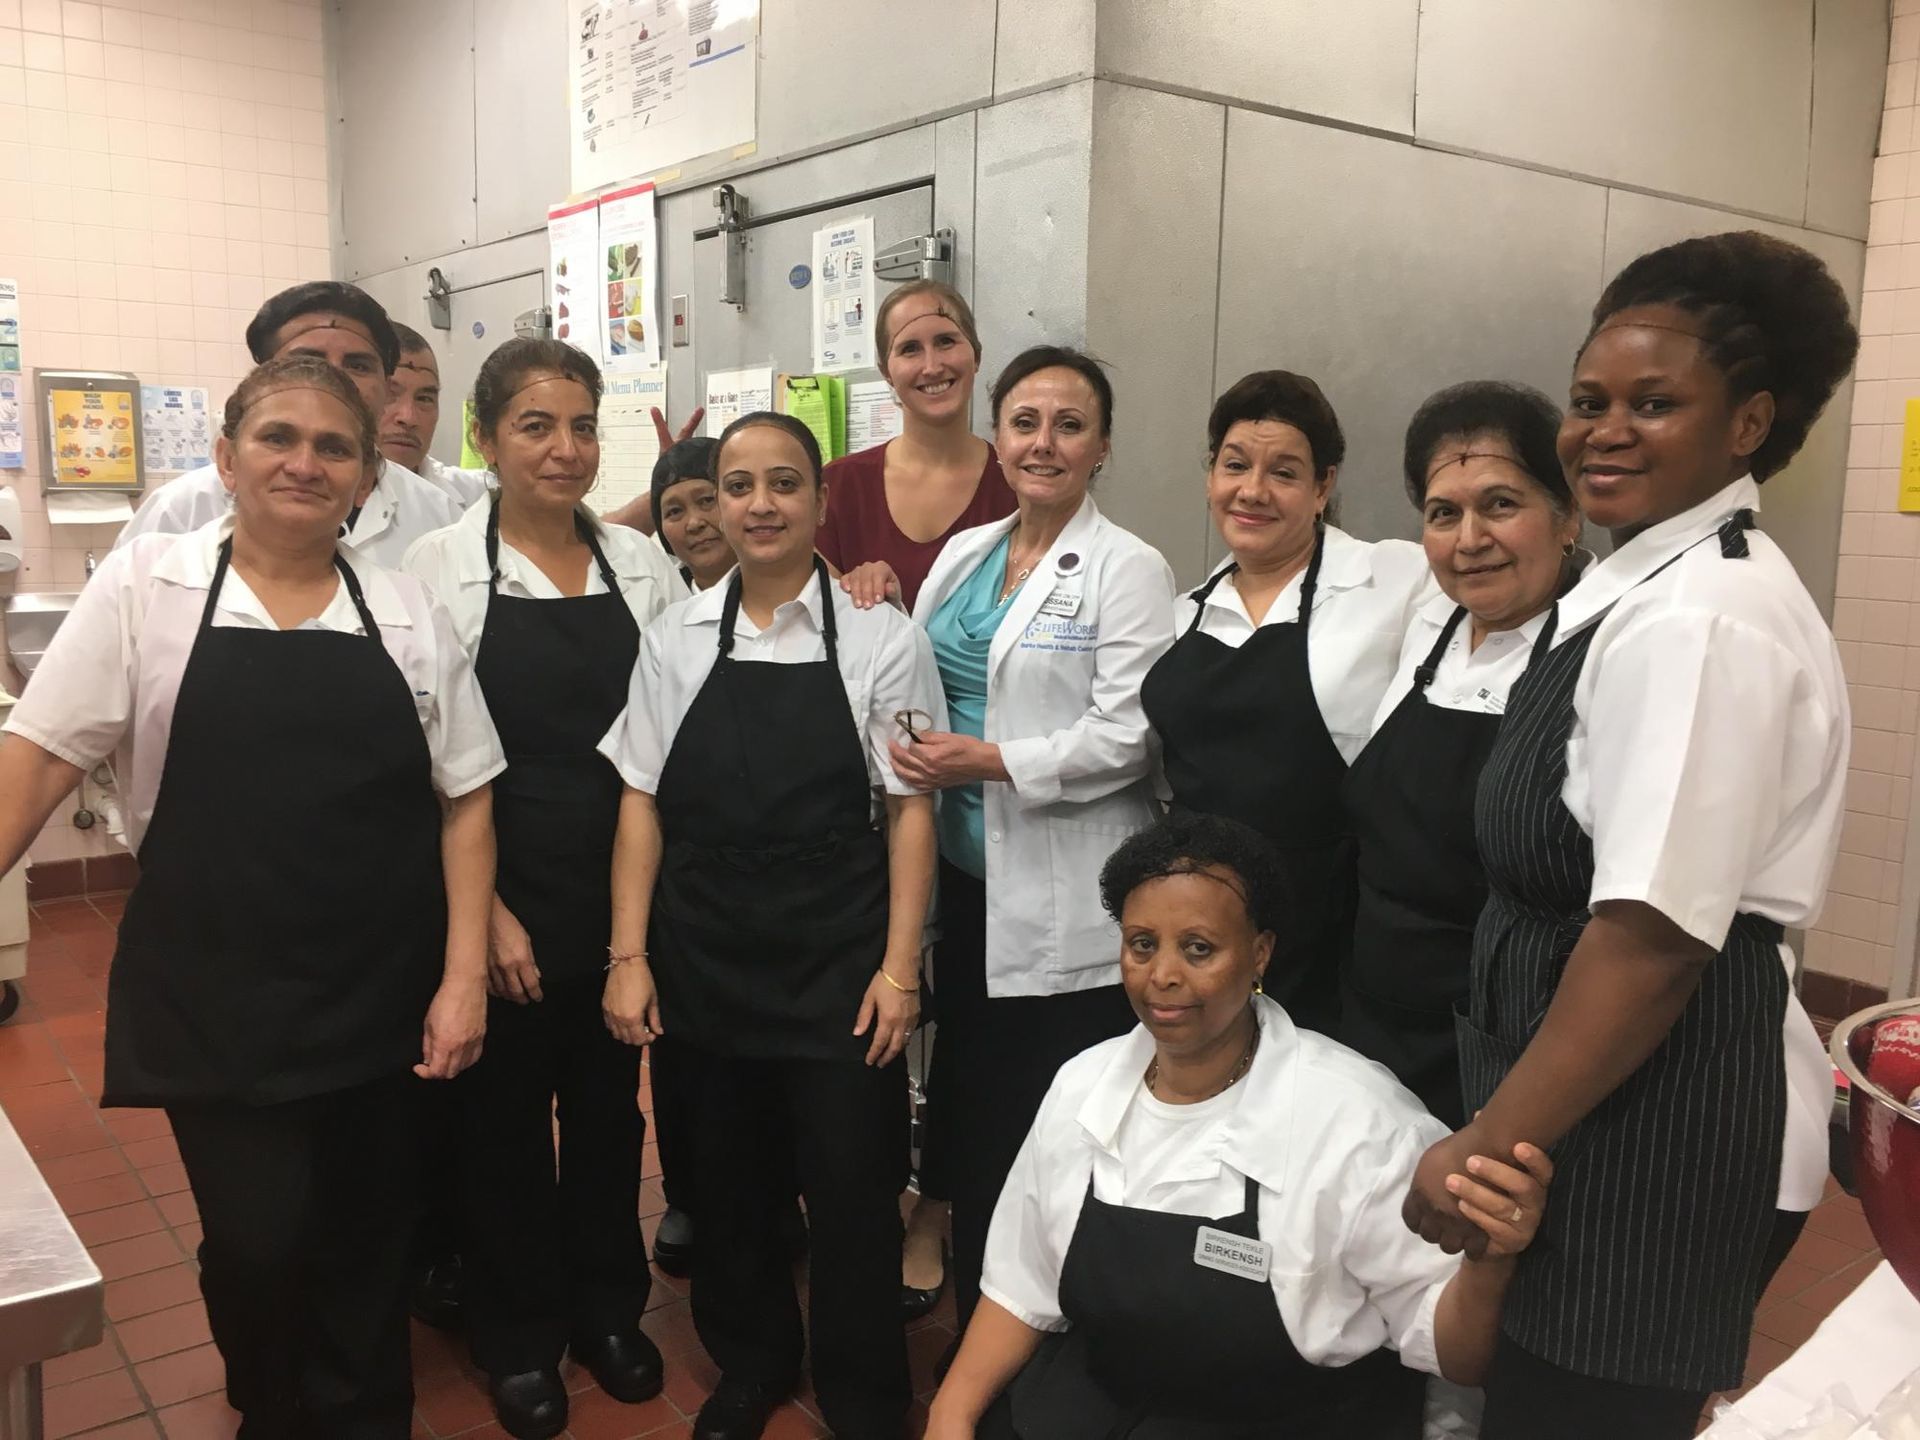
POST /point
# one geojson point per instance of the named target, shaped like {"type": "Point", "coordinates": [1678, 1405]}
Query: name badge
{"type": "Point", "coordinates": [1232, 1254]}
{"type": "Point", "coordinates": [1063, 603]}
{"type": "Point", "coordinates": [1491, 703]}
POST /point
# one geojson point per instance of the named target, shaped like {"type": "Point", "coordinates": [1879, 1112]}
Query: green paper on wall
{"type": "Point", "coordinates": [470, 458]}
{"type": "Point", "coordinates": [810, 401]}
{"type": "Point", "coordinates": [837, 414]}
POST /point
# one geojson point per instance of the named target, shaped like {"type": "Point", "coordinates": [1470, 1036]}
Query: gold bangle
{"type": "Point", "coordinates": [903, 989]}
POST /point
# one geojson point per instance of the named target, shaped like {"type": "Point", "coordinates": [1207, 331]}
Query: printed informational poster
{"type": "Point", "coordinates": [873, 415]}
{"type": "Point", "coordinates": [176, 428]}
{"type": "Point", "coordinates": [93, 438]}
{"type": "Point", "coordinates": [13, 428]}
{"type": "Point", "coordinates": [573, 275]}
{"type": "Point", "coordinates": [9, 327]}
{"type": "Point", "coordinates": [733, 393]}
{"type": "Point", "coordinates": [653, 83]}
{"type": "Point", "coordinates": [628, 442]}
{"type": "Point", "coordinates": [843, 295]}
{"type": "Point", "coordinates": [629, 280]}
{"type": "Point", "coordinates": [1910, 461]}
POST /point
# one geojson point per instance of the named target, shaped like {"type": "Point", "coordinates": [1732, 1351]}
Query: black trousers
{"type": "Point", "coordinates": [674, 1069]}
{"type": "Point", "coordinates": [846, 1124]}
{"type": "Point", "coordinates": [1524, 1391]}
{"type": "Point", "coordinates": [307, 1210]}
{"type": "Point", "coordinates": [991, 1068]}
{"type": "Point", "coordinates": [439, 1222]}
{"type": "Point", "coordinates": [552, 1254]}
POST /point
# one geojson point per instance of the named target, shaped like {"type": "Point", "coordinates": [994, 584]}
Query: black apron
{"type": "Point", "coordinates": [555, 674]}
{"type": "Point", "coordinates": [289, 926]}
{"type": "Point", "coordinates": [1649, 1260]}
{"type": "Point", "coordinates": [1162, 1348]}
{"type": "Point", "coordinates": [1241, 736]}
{"type": "Point", "coordinates": [1409, 798]}
{"type": "Point", "coordinates": [770, 916]}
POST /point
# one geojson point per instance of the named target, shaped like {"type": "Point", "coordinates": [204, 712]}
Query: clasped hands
{"type": "Point", "coordinates": [1466, 1196]}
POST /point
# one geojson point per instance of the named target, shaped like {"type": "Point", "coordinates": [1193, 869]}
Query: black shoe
{"type": "Point", "coordinates": [738, 1410]}
{"type": "Point", "coordinates": [915, 1303]}
{"type": "Point", "coordinates": [531, 1405]}
{"type": "Point", "coordinates": [673, 1244]}
{"type": "Point", "coordinates": [436, 1295]}
{"type": "Point", "coordinates": [627, 1365]}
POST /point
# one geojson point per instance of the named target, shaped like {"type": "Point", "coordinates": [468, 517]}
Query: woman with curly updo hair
{"type": "Point", "coordinates": [1663, 801]}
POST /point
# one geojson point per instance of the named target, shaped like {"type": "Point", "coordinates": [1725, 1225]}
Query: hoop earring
{"type": "Point", "coordinates": [1259, 987]}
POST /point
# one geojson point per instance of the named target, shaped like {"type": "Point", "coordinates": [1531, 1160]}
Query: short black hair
{"type": "Point", "coordinates": [1520, 415]}
{"type": "Point", "coordinates": [1036, 358]}
{"type": "Point", "coordinates": [1295, 400]}
{"type": "Point", "coordinates": [1771, 316]}
{"type": "Point", "coordinates": [318, 297]}
{"type": "Point", "coordinates": [809, 442]}
{"type": "Point", "coordinates": [503, 374]}
{"type": "Point", "coordinates": [411, 340]}
{"type": "Point", "coordinates": [690, 459]}
{"type": "Point", "coordinates": [1184, 842]}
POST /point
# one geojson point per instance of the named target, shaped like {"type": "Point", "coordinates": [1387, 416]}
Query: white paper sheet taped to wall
{"type": "Point", "coordinates": [67, 508]}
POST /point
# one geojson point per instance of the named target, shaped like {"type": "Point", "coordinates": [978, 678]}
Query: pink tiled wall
{"type": "Point", "coordinates": [163, 169]}
{"type": "Point", "coordinates": [1876, 613]}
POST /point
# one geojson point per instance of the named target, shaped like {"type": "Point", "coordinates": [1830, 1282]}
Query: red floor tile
{"type": "Point", "coordinates": [156, 1290]}
{"type": "Point", "coordinates": [178, 1327]}
{"type": "Point", "coordinates": [207, 1418]}
{"type": "Point", "coordinates": [97, 1227]}
{"type": "Point", "coordinates": [118, 1259]}
{"type": "Point", "coordinates": [183, 1375]}
{"type": "Point", "coordinates": [89, 1403]}
{"type": "Point", "coordinates": [94, 1360]}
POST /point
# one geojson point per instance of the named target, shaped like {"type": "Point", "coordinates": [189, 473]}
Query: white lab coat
{"type": "Point", "coordinates": [1063, 705]}
{"type": "Point", "coordinates": [465, 486]}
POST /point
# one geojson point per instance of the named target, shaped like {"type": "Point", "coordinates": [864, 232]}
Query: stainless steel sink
{"type": "Point", "coordinates": [32, 618]}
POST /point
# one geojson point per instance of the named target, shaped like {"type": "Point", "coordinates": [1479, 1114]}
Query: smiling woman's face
{"type": "Point", "coordinates": [771, 502]}
{"type": "Point", "coordinates": [1190, 956]}
{"type": "Point", "coordinates": [1495, 541]}
{"type": "Point", "coordinates": [296, 464]}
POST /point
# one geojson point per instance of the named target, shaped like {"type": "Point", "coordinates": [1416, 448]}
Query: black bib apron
{"type": "Point", "coordinates": [770, 916]}
{"type": "Point", "coordinates": [1162, 1348]}
{"type": "Point", "coordinates": [1409, 798]}
{"type": "Point", "coordinates": [1241, 735]}
{"type": "Point", "coordinates": [555, 675]}
{"type": "Point", "coordinates": [1649, 1260]}
{"type": "Point", "coordinates": [289, 925]}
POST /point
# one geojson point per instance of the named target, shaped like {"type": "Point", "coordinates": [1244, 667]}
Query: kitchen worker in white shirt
{"type": "Point", "coordinates": [774, 870]}
{"type": "Point", "coordinates": [1663, 800]}
{"type": "Point", "coordinates": [1042, 624]}
{"type": "Point", "coordinates": [413, 414]}
{"type": "Point", "coordinates": [1268, 694]}
{"type": "Point", "coordinates": [347, 328]}
{"type": "Point", "coordinates": [306, 759]}
{"type": "Point", "coordinates": [1201, 1235]}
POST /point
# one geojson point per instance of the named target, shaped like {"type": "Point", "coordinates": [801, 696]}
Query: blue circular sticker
{"type": "Point", "coordinates": [800, 276]}
{"type": "Point", "coordinates": [479, 330]}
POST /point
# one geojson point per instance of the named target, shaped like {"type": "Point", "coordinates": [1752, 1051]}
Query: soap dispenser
{"type": "Point", "coordinates": [10, 528]}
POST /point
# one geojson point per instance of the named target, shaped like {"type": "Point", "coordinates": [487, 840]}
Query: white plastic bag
{"type": "Point", "coordinates": [1898, 1417]}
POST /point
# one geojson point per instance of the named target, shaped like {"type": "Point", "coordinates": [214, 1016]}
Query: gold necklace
{"type": "Point", "coordinates": [1240, 1068]}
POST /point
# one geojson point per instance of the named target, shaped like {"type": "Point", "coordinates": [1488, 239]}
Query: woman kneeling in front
{"type": "Point", "coordinates": [1110, 1306]}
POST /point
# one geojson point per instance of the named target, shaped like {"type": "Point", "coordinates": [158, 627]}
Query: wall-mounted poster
{"type": "Point", "coordinates": [843, 295]}
{"type": "Point", "coordinates": [629, 269]}
{"type": "Point", "coordinates": [177, 428]}
{"type": "Point", "coordinates": [574, 275]}
{"type": "Point", "coordinates": [93, 439]}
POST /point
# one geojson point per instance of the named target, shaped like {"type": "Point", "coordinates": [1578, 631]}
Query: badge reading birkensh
{"type": "Point", "coordinates": [1232, 1254]}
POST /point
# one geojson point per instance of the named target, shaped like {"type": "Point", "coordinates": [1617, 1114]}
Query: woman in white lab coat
{"type": "Point", "coordinates": [1283, 656]}
{"type": "Point", "coordinates": [1043, 625]}
{"type": "Point", "coordinates": [1663, 800]}
{"type": "Point", "coordinates": [306, 759]}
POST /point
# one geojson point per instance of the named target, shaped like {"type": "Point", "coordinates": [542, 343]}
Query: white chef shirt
{"type": "Point", "coordinates": [452, 562]}
{"type": "Point", "coordinates": [1708, 758]}
{"type": "Point", "coordinates": [1330, 1138]}
{"type": "Point", "coordinates": [886, 666]}
{"type": "Point", "coordinates": [1466, 678]}
{"type": "Point", "coordinates": [401, 509]}
{"type": "Point", "coordinates": [1366, 595]}
{"type": "Point", "coordinates": [464, 485]}
{"type": "Point", "coordinates": [109, 680]}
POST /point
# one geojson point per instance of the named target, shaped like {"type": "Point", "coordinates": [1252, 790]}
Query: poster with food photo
{"type": "Point", "coordinates": [630, 261]}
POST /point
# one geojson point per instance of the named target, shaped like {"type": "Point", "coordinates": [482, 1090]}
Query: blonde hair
{"type": "Point", "coordinates": [299, 372]}
{"type": "Point", "coordinates": [953, 305]}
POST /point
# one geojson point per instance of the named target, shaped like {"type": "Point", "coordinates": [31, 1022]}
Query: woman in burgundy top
{"type": "Point", "coordinates": [901, 501]}
{"type": "Point", "coordinates": [898, 503]}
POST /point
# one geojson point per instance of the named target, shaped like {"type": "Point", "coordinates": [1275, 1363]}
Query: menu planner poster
{"type": "Point", "coordinates": [573, 275]}
{"type": "Point", "coordinates": [630, 290]}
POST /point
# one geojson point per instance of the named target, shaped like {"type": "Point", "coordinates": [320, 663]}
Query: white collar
{"type": "Point", "coordinates": [1635, 561]}
{"type": "Point", "coordinates": [190, 561]}
{"type": "Point", "coordinates": [1344, 563]}
{"type": "Point", "coordinates": [1436, 610]}
{"type": "Point", "coordinates": [469, 559]}
{"type": "Point", "coordinates": [705, 606]}
{"type": "Point", "coordinates": [1258, 1132]}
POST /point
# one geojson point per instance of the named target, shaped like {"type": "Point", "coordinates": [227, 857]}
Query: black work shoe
{"type": "Point", "coordinates": [531, 1405]}
{"type": "Point", "coordinates": [673, 1244]}
{"type": "Point", "coordinates": [627, 1365]}
{"type": "Point", "coordinates": [435, 1296]}
{"type": "Point", "coordinates": [738, 1410]}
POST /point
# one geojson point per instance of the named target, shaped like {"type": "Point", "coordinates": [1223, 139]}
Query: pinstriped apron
{"type": "Point", "coordinates": [1648, 1263]}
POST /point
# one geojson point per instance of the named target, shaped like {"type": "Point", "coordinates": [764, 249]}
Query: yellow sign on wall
{"type": "Point", "coordinates": [93, 438]}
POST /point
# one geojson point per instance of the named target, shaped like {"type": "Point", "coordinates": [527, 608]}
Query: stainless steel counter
{"type": "Point", "coordinates": [51, 1293]}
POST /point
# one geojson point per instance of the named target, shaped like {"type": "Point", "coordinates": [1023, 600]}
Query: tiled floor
{"type": "Point", "coordinates": [157, 1374]}
{"type": "Point", "coordinates": [118, 1174]}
